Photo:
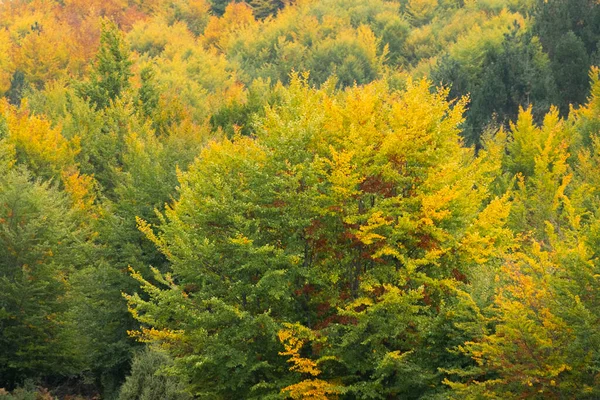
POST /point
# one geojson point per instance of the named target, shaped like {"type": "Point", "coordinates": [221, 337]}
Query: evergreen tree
{"type": "Point", "coordinates": [218, 6]}
{"type": "Point", "coordinates": [109, 78]}
{"type": "Point", "coordinates": [264, 8]}
{"type": "Point", "coordinates": [517, 74]}
{"type": "Point", "coordinates": [569, 31]}
{"type": "Point", "coordinates": [570, 65]}
{"type": "Point", "coordinates": [148, 93]}
{"type": "Point", "coordinates": [18, 84]}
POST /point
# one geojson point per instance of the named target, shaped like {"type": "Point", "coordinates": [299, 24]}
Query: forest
{"type": "Point", "coordinates": [299, 199]}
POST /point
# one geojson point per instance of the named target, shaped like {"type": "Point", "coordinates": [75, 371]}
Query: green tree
{"type": "Point", "coordinates": [41, 243]}
{"type": "Point", "coordinates": [109, 78]}
{"type": "Point", "coordinates": [218, 6]}
{"type": "Point", "coordinates": [517, 74]}
{"type": "Point", "coordinates": [18, 84]}
{"type": "Point", "coordinates": [148, 93]}
{"type": "Point", "coordinates": [394, 36]}
{"type": "Point", "coordinates": [264, 8]}
{"type": "Point", "coordinates": [340, 216]}
{"type": "Point", "coordinates": [149, 380]}
{"type": "Point", "coordinates": [351, 58]}
{"type": "Point", "coordinates": [569, 31]}
{"type": "Point", "coordinates": [570, 65]}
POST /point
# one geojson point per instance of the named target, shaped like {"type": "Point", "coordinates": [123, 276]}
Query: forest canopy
{"type": "Point", "coordinates": [299, 199]}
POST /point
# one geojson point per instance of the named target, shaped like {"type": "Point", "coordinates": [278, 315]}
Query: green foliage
{"type": "Point", "coordinates": [394, 36]}
{"type": "Point", "coordinates": [218, 6]}
{"type": "Point", "coordinates": [517, 74]}
{"type": "Point", "coordinates": [148, 94]}
{"type": "Point", "coordinates": [298, 225]}
{"type": "Point", "coordinates": [570, 65]}
{"type": "Point", "coordinates": [112, 69]}
{"type": "Point", "coordinates": [28, 391]}
{"type": "Point", "coordinates": [269, 199]}
{"type": "Point", "coordinates": [239, 116]}
{"type": "Point", "coordinates": [18, 84]}
{"type": "Point", "coordinates": [41, 242]}
{"type": "Point", "coordinates": [351, 60]}
{"type": "Point", "coordinates": [149, 379]}
{"type": "Point", "coordinates": [568, 30]}
{"type": "Point", "coordinates": [534, 340]}
{"type": "Point", "coordinates": [264, 8]}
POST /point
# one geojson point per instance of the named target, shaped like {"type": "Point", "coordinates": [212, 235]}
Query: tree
{"type": "Point", "coordinates": [293, 337]}
{"type": "Point", "coordinates": [351, 58]}
{"type": "Point", "coordinates": [41, 243]}
{"type": "Point", "coordinates": [148, 93]}
{"type": "Point", "coordinates": [516, 74]}
{"type": "Point", "coordinates": [347, 211]}
{"type": "Point", "coordinates": [570, 65]}
{"type": "Point", "coordinates": [265, 8]}
{"type": "Point", "coordinates": [18, 84]}
{"type": "Point", "coordinates": [149, 380]}
{"type": "Point", "coordinates": [569, 32]}
{"type": "Point", "coordinates": [110, 76]}
{"type": "Point", "coordinates": [534, 340]}
{"type": "Point", "coordinates": [218, 6]}
{"type": "Point", "coordinates": [39, 145]}
{"type": "Point", "coordinates": [394, 36]}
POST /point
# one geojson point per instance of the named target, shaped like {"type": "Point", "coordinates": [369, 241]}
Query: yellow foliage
{"type": "Point", "coordinates": [37, 143]}
{"type": "Point", "coordinates": [150, 335]}
{"type": "Point", "coordinates": [530, 338]}
{"type": "Point", "coordinates": [219, 30]}
{"type": "Point", "coordinates": [154, 35]}
{"type": "Point", "coordinates": [20, 17]}
{"type": "Point", "coordinates": [313, 389]}
{"type": "Point", "coordinates": [343, 178]}
{"type": "Point", "coordinates": [489, 236]}
{"type": "Point", "coordinates": [369, 42]}
{"type": "Point", "coordinates": [293, 344]}
{"type": "Point", "coordinates": [80, 188]}
{"type": "Point", "coordinates": [44, 55]}
{"type": "Point", "coordinates": [435, 206]}
{"type": "Point", "coordinates": [293, 337]}
{"type": "Point", "coordinates": [366, 233]}
{"type": "Point", "coordinates": [6, 62]}
{"type": "Point", "coordinates": [421, 10]}
{"type": "Point", "coordinates": [113, 9]}
{"type": "Point", "coordinates": [145, 228]}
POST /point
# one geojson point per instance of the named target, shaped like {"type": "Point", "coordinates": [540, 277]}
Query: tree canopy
{"type": "Point", "coordinates": [267, 199]}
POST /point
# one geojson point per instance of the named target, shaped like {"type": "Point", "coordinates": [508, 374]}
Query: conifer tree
{"type": "Point", "coordinates": [112, 69]}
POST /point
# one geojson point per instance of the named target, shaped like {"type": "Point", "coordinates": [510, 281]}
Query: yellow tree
{"type": "Point", "coordinates": [38, 144]}
{"type": "Point", "coordinates": [535, 340]}
{"type": "Point", "coordinates": [219, 31]}
{"type": "Point", "coordinates": [44, 54]}
{"type": "Point", "coordinates": [6, 62]}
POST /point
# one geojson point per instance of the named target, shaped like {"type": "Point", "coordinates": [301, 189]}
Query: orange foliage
{"type": "Point", "coordinates": [50, 40]}
{"type": "Point", "coordinates": [237, 17]}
